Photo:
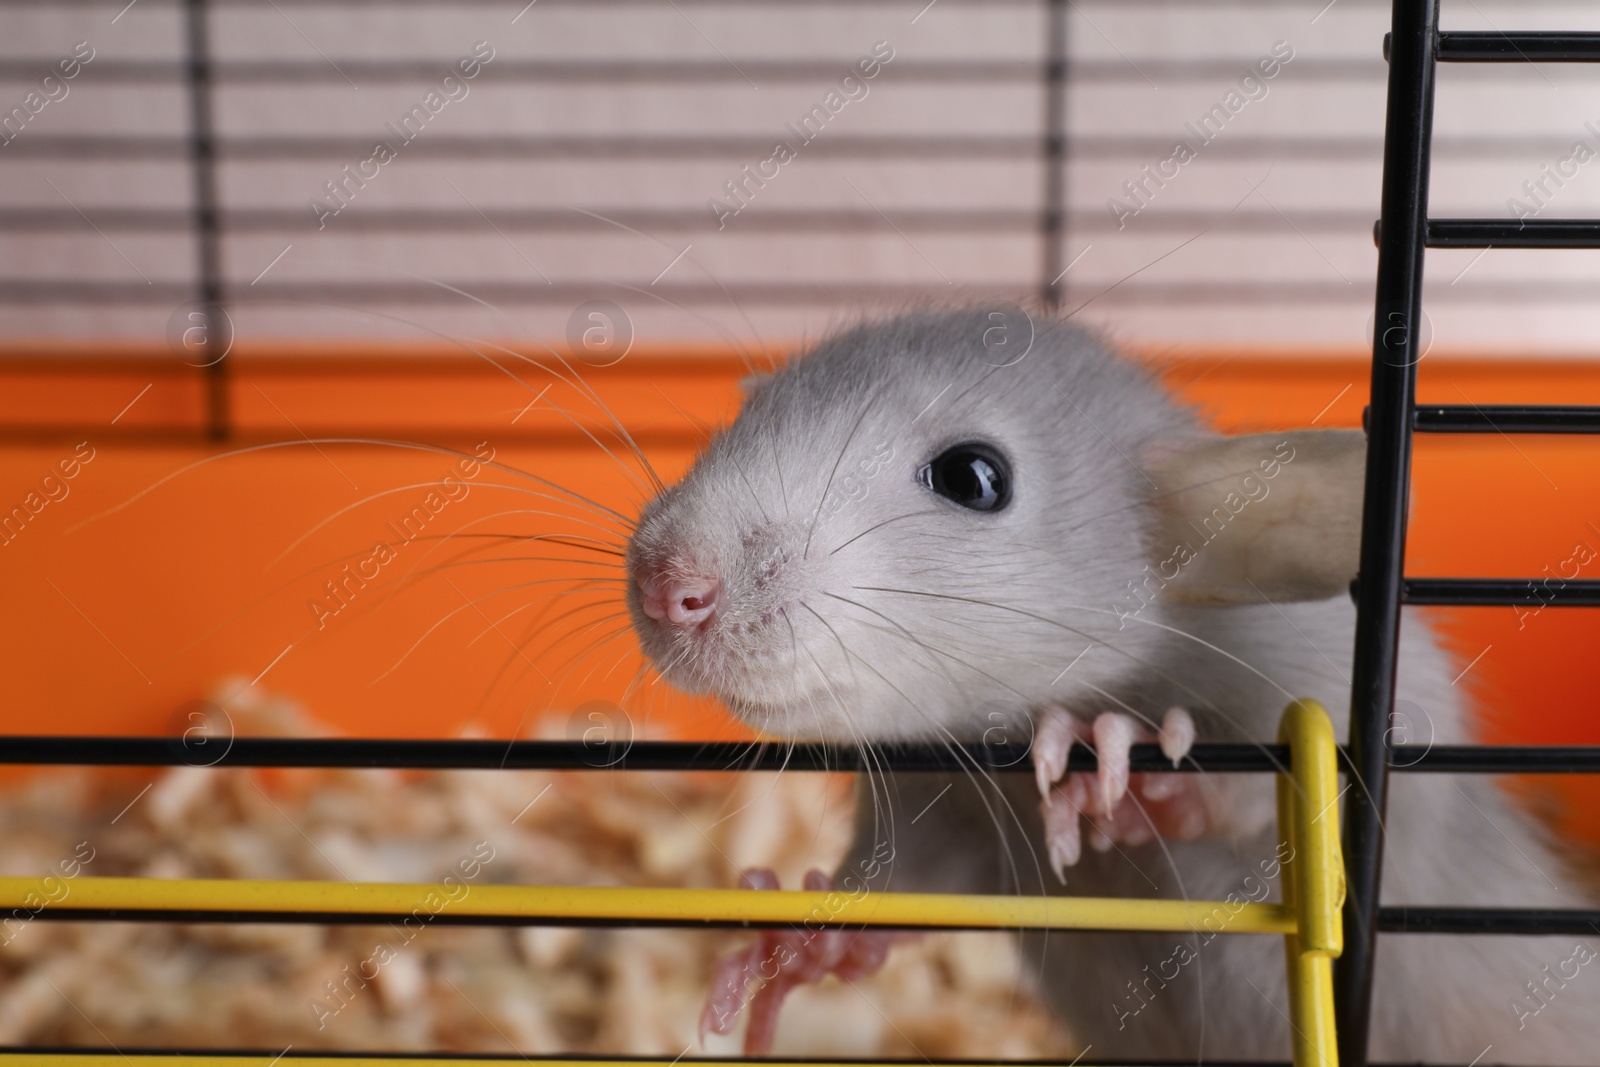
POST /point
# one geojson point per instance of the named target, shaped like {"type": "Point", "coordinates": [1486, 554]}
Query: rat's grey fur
{"type": "Point", "coordinates": [987, 611]}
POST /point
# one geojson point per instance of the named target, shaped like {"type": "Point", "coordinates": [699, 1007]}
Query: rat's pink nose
{"type": "Point", "coordinates": [684, 602]}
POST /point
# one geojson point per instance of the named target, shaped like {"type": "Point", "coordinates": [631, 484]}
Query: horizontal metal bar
{"type": "Point", "coordinates": [460, 903]}
{"type": "Point", "coordinates": [1521, 921]}
{"type": "Point", "coordinates": [418, 754]}
{"type": "Point", "coordinates": [836, 293]}
{"type": "Point", "coordinates": [579, 755]}
{"type": "Point", "coordinates": [1505, 418]}
{"type": "Point", "coordinates": [464, 221]}
{"type": "Point", "coordinates": [1531, 593]}
{"type": "Point", "coordinates": [127, 1056]}
{"type": "Point", "coordinates": [1496, 759]}
{"type": "Point", "coordinates": [235, 5]}
{"type": "Point", "coordinates": [1523, 46]}
{"type": "Point", "coordinates": [552, 438]}
{"type": "Point", "coordinates": [691, 220]}
{"type": "Point", "coordinates": [565, 72]}
{"type": "Point", "coordinates": [1025, 5]}
{"type": "Point", "coordinates": [266, 917]}
{"type": "Point", "coordinates": [561, 294]}
{"type": "Point", "coordinates": [352, 149]}
{"type": "Point", "coordinates": [1514, 233]}
{"type": "Point", "coordinates": [1083, 72]}
{"type": "Point", "coordinates": [740, 149]}
{"type": "Point", "coordinates": [461, 899]}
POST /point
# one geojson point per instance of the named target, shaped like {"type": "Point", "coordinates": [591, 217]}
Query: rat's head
{"type": "Point", "coordinates": [915, 519]}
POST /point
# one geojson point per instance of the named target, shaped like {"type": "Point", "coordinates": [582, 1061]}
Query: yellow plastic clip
{"type": "Point", "coordinates": [1313, 878]}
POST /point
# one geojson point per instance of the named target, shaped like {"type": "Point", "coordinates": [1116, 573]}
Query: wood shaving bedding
{"type": "Point", "coordinates": [533, 990]}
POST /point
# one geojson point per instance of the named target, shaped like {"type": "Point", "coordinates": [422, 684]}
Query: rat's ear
{"type": "Point", "coordinates": [1273, 516]}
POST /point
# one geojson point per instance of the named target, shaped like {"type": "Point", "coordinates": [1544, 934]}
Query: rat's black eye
{"type": "Point", "coordinates": [971, 474]}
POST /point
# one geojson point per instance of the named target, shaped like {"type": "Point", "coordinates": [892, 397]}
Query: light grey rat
{"type": "Point", "coordinates": [927, 529]}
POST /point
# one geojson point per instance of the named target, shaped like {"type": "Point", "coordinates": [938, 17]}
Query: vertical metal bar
{"type": "Point", "coordinates": [1053, 214]}
{"type": "Point", "coordinates": [218, 331]}
{"type": "Point", "coordinates": [1395, 351]}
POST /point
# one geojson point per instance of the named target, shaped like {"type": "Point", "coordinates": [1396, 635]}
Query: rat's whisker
{"type": "Point", "coordinates": [733, 340]}
{"type": "Point", "coordinates": [1080, 633]}
{"type": "Point", "coordinates": [617, 428]}
{"type": "Point", "coordinates": [777, 470]}
{"type": "Point", "coordinates": [699, 424]}
{"type": "Point", "coordinates": [470, 604]}
{"type": "Point", "coordinates": [866, 409]}
{"type": "Point", "coordinates": [565, 560]}
{"type": "Point", "coordinates": [579, 542]}
{"type": "Point", "coordinates": [878, 526]}
{"type": "Point", "coordinates": [979, 775]}
{"type": "Point", "coordinates": [934, 653]}
{"type": "Point", "coordinates": [572, 378]}
{"type": "Point", "coordinates": [1149, 622]}
{"type": "Point", "coordinates": [755, 496]}
{"type": "Point", "coordinates": [297, 542]}
{"type": "Point", "coordinates": [578, 657]}
{"type": "Point", "coordinates": [494, 626]}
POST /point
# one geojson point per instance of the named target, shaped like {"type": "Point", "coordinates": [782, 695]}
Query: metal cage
{"type": "Point", "coordinates": [1414, 47]}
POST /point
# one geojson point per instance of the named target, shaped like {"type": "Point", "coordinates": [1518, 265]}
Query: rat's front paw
{"type": "Point", "coordinates": [1130, 808]}
{"type": "Point", "coordinates": [760, 977]}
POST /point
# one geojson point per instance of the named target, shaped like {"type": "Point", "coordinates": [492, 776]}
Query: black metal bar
{"type": "Point", "coordinates": [160, 435]}
{"type": "Point", "coordinates": [1504, 418]}
{"type": "Point", "coordinates": [943, 71]}
{"type": "Point", "coordinates": [290, 1056]}
{"type": "Point", "coordinates": [852, 293]}
{"type": "Point", "coordinates": [216, 330]}
{"type": "Point", "coordinates": [425, 754]}
{"type": "Point", "coordinates": [1053, 212]}
{"type": "Point", "coordinates": [371, 436]}
{"type": "Point", "coordinates": [467, 146]}
{"type": "Point", "coordinates": [1305, 148]}
{"type": "Point", "coordinates": [1531, 593]}
{"type": "Point", "coordinates": [1495, 759]}
{"type": "Point", "coordinates": [1538, 46]}
{"type": "Point", "coordinates": [1514, 233]}
{"type": "Point", "coordinates": [1516, 921]}
{"type": "Point", "coordinates": [1485, 922]}
{"type": "Point", "coordinates": [776, 220]}
{"type": "Point", "coordinates": [335, 293]}
{"type": "Point", "coordinates": [696, 220]}
{"type": "Point", "coordinates": [580, 755]}
{"type": "Point", "coordinates": [1408, 129]}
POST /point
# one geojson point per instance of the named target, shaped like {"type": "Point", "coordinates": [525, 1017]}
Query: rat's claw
{"type": "Point", "coordinates": [755, 981]}
{"type": "Point", "coordinates": [1177, 734]}
{"type": "Point", "coordinates": [729, 978]}
{"type": "Point", "coordinates": [1061, 834]}
{"type": "Point", "coordinates": [1121, 807]}
{"type": "Point", "coordinates": [1113, 737]}
{"type": "Point", "coordinates": [1052, 743]}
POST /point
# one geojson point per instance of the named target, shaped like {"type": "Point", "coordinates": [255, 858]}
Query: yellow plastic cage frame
{"type": "Point", "coordinates": [1308, 917]}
